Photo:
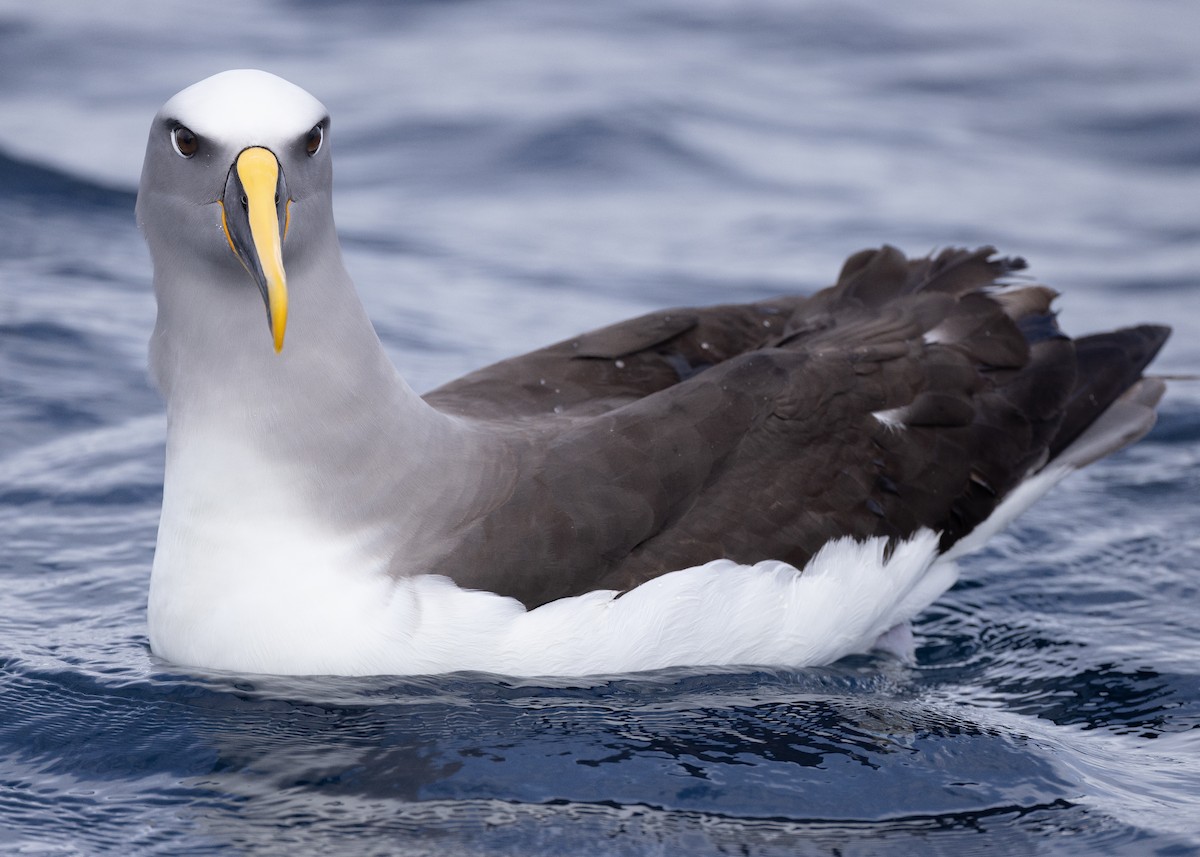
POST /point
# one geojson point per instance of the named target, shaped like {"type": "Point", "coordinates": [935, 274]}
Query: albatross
{"type": "Point", "coordinates": [775, 483]}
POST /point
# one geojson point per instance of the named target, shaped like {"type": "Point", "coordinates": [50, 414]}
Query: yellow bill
{"type": "Point", "coordinates": [256, 186]}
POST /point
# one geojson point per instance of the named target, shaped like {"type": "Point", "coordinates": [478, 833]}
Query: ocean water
{"type": "Point", "coordinates": [512, 172]}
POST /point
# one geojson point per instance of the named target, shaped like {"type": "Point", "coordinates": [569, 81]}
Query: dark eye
{"type": "Point", "coordinates": [184, 141]}
{"type": "Point", "coordinates": [312, 140]}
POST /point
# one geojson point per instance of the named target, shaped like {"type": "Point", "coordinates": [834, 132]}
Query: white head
{"type": "Point", "coordinates": [237, 176]}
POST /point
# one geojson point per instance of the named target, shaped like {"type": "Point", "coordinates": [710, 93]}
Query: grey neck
{"type": "Point", "coordinates": [329, 417]}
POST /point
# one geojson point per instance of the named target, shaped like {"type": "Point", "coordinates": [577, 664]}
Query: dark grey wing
{"type": "Point", "coordinates": [606, 368]}
{"type": "Point", "coordinates": [911, 394]}
{"type": "Point", "coordinates": [615, 365]}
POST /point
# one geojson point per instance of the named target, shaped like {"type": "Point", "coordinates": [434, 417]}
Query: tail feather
{"type": "Point", "coordinates": [1109, 364]}
{"type": "Point", "coordinates": [1125, 421]}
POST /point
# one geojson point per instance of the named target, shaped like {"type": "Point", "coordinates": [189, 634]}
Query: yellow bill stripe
{"type": "Point", "coordinates": [258, 172]}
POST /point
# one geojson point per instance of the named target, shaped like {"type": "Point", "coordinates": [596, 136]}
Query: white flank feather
{"type": "Point", "coordinates": [721, 613]}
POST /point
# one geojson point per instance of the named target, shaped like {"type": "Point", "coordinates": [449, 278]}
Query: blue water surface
{"type": "Point", "coordinates": [513, 172]}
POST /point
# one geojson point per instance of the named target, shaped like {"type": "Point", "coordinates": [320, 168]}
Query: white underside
{"type": "Point", "coordinates": [228, 596]}
{"type": "Point", "coordinates": [844, 600]}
